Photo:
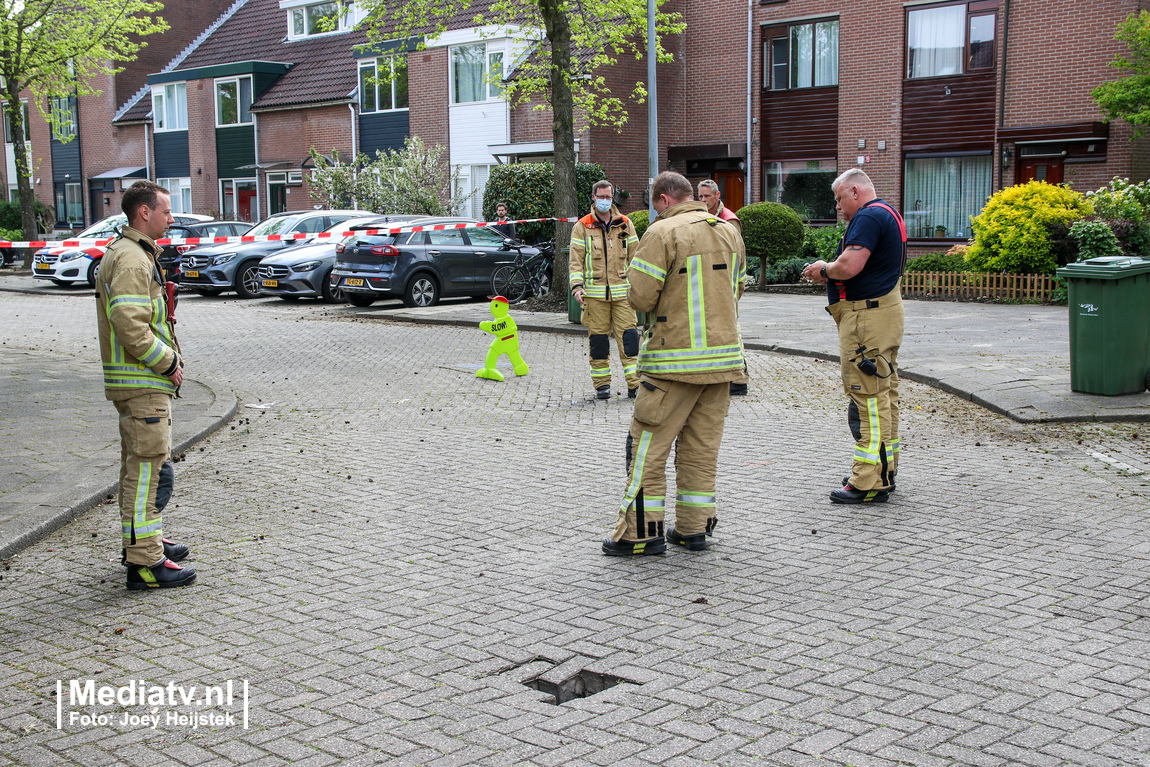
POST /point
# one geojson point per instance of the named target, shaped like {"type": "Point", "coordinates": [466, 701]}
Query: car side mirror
{"type": "Point", "coordinates": [507, 242]}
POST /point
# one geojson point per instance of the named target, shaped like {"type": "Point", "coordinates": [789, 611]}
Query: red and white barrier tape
{"type": "Point", "coordinates": [272, 237]}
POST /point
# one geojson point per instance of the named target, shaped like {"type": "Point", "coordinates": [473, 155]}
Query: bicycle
{"type": "Point", "coordinates": [525, 275]}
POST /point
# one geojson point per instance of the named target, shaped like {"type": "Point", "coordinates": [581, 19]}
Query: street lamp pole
{"type": "Point", "coordinates": [652, 110]}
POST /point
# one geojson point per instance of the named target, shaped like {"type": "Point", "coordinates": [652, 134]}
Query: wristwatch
{"type": "Point", "coordinates": [823, 272]}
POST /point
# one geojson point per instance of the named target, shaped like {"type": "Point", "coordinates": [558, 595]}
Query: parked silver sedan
{"type": "Point", "coordinates": [303, 271]}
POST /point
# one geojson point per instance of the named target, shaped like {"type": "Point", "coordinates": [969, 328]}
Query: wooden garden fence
{"type": "Point", "coordinates": [978, 285]}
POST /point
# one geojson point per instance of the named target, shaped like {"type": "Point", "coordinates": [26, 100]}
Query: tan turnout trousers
{"type": "Point", "coordinates": [876, 325]}
{"type": "Point", "coordinates": [666, 411]}
{"type": "Point", "coordinates": [145, 443]}
{"type": "Point", "coordinates": [602, 320]}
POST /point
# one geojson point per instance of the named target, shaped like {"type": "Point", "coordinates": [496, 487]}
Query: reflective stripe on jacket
{"type": "Point", "coordinates": [689, 269]}
{"type": "Point", "coordinates": [601, 254]}
{"type": "Point", "coordinates": [137, 345]}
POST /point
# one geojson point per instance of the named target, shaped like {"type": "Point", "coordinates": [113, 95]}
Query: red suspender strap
{"type": "Point", "coordinates": [897, 217]}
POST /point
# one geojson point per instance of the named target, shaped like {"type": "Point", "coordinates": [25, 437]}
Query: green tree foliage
{"type": "Point", "coordinates": [1094, 239]}
{"type": "Point", "coordinates": [772, 232]}
{"type": "Point", "coordinates": [414, 179]}
{"type": "Point", "coordinates": [1013, 232]}
{"type": "Point", "coordinates": [1128, 98]}
{"type": "Point", "coordinates": [937, 262]}
{"type": "Point", "coordinates": [641, 220]}
{"type": "Point", "coordinates": [528, 190]}
{"type": "Point", "coordinates": [822, 241]}
{"type": "Point", "coordinates": [54, 48]}
{"type": "Point", "coordinates": [546, 34]}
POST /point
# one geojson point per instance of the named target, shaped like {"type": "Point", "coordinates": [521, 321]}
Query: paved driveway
{"type": "Point", "coordinates": [389, 548]}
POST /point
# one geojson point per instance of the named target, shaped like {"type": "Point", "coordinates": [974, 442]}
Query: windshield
{"type": "Point", "coordinates": [103, 228]}
{"type": "Point", "coordinates": [273, 225]}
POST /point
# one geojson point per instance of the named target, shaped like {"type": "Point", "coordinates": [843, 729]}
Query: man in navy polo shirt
{"type": "Point", "coordinates": [865, 301]}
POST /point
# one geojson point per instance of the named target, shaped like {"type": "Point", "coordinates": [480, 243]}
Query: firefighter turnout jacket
{"type": "Point", "coordinates": [600, 255]}
{"type": "Point", "coordinates": [137, 344]}
{"type": "Point", "coordinates": [689, 270]}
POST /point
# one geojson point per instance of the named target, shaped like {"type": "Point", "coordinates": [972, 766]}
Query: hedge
{"type": "Point", "coordinates": [528, 190]}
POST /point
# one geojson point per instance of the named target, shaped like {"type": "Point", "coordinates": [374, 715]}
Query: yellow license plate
{"type": "Point", "coordinates": [353, 281]}
{"type": "Point", "coordinates": [271, 283]}
{"type": "Point", "coordinates": [44, 267]}
{"type": "Point", "coordinates": [191, 274]}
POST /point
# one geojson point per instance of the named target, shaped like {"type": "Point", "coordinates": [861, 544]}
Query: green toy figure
{"type": "Point", "coordinates": [506, 342]}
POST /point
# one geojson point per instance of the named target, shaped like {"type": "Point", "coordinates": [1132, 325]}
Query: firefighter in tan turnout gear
{"type": "Point", "coordinates": [689, 271]}
{"type": "Point", "coordinates": [602, 244]}
{"type": "Point", "coordinates": [142, 372]}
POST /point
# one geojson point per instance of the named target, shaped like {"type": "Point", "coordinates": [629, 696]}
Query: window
{"type": "Point", "coordinates": [940, 194]}
{"type": "Point", "coordinates": [949, 40]}
{"type": "Point", "coordinates": [804, 185]}
{"type": "Point", "coordinates": [446, 238]}
{"type": "Point", "coordinates": [233, 100]}
{"type": "Point", "coordinates": [69, 204]}
{"type": "Point", "coordinates": [383, 84]}
{"type": "Point", "coordinates": [319, 19]}
{"type": "Point", "coordinates": [802, 56]}
{"type": "Point", "coordinates": [476, 73]}
{"type": "Point", "coordinates": [8, 124]}
{"type": "Point", "coordinates": [170, 107]}
{"type": "Point", "coordinates": [62, 112]}
{"type": "Point", "coordinates": [181, 191]}
{"type": "Point", "coordinates": [485, 238]}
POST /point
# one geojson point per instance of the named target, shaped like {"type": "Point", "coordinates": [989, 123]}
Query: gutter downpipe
{"type": "Point", "coordinates": [1002, 88]}
{"type": "Point", "coordinates": [256, 152]}
{"type": "Point", "coordinates": [354, 150]}
{"type": "Point", "coordinates": [147, 156]}
{"type": "Point", "coordinates": [750, 130]}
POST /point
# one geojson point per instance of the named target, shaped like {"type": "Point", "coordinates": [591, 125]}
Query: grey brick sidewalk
{"type": "Point", "coordinates": [392, 547]}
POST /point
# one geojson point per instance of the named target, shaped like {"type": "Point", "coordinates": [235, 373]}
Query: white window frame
{"type": "Point", "coordinates": [163, 96]}
{"type": "Point", "coordinates": [373, 65]}
{"type": "Point", "coordinates": [490, 89]}
{"type": "Point", "coordinates": [62, 105]}
{"type": "Point", "coordinates": [239, 99]}
{"type": "Point", "coordinates": [348, 13]}
{"type": "Point", "coordinates": [181, 193]}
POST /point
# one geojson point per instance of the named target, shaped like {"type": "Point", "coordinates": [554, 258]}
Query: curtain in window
{"type": "Point", "coordinates": [479, 174]}
{"type": "Point", "coordinates": [827, 53]}
{"type": "Point", "coordinates": [942, 193]}
{"type": "Point", "coordinates": [467, 61]}
{"type": "Point", "coordinates": [801, 53]}
{"type": "Point", "coordinates": [936, 38]}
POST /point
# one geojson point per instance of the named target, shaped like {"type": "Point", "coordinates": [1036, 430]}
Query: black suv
{"type": "Point", "coordinates": [171, 255]}
{"type": "Point", "coordinates": [419, 267]}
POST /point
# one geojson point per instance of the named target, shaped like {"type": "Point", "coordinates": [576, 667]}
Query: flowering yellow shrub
{"type": "Point", "coordinates": [1012, 233]}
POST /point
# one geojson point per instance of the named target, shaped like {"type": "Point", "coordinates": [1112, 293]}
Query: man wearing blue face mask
{"type": "Point", "coordinates": [602, 244]}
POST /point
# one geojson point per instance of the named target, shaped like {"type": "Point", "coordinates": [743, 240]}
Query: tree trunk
{"type": "Point", "coordinates": [23, 172]}
{"type": "Point", "coordinates": [558, 29]}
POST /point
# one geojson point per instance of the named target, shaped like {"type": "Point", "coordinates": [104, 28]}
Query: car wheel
{"type": "Point", "coordinates": [421, 291]}
{"type": "Point", "coordinates": [93, 270]}
{"type": "Point", "coordinates": [360, 299]}
{"type": "Point", "coordinates": [544, 285]}
{"type": "Point", "coordinates": [327, 293]}
{"type": "Point", "coordinates": [248, 279]}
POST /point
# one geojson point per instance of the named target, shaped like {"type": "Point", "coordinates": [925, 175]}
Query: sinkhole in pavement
{"type": "Point", "coordinates": [583, 684]}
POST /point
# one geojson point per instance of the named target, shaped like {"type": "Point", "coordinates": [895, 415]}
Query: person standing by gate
{"type": "Point", "coordinates": [866, 303]}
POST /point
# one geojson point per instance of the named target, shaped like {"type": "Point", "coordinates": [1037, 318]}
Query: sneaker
{"type": "Point", "coordinates": [891, 489]}
{"type": "Point", "coordinates": [847, 494]}
{"type": "Point", "coordinates": [177, 552]}
{"type": "Point", "coordinates": [632, 392]}
{"type": "Point", "coordinates": [738, 389]}
{"type": "Point", "coordinates": [696, 542]}
{"type": "Point", "coordinates": [614, 548]}
{"type": "Point", "coordinates": [166, 575]}
{"type": "Point", "coordinates": [603, 392]}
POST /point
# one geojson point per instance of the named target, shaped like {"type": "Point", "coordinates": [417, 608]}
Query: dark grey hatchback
{"type": "Point", "coordinates": [419, 267]}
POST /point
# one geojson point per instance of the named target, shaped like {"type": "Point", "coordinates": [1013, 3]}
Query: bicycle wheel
{"type": "Point", "coordinates": [510, 282]}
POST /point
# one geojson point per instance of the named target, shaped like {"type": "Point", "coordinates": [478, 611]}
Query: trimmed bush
{"type": "Point", "coordinates": [1013, 232]}
{"type": "Point", "coordinates": [772, 231]}
{"type": "Point", "coordinates": [937, 262]}
{"type": "Point", "coordinates": [790, 271]}
{"type": "Point", "coordinates": [1094, 239]}
{"type": "Point", "coordinates": [528, 189]}
{"type": "Point", "coordinates": [639, 221]}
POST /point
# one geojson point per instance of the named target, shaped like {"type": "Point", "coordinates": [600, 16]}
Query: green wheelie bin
{"type": "Point", "coordinates": [1109, 303]}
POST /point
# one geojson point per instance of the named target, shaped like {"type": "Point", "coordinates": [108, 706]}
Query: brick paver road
{"type": "Point", "coordinates": [390, 548]}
